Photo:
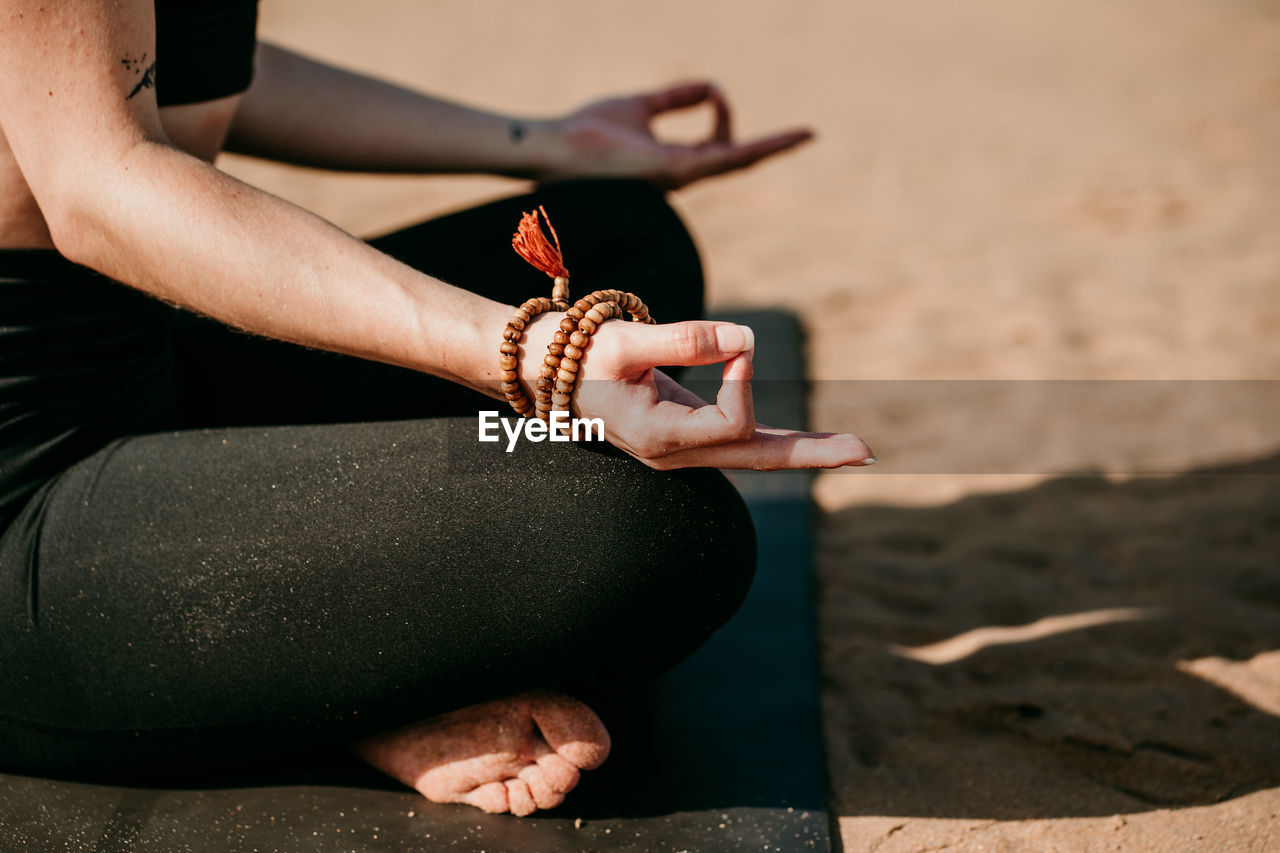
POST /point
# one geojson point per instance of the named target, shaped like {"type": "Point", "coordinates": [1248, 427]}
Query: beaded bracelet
{"type": "Point", "coordinates": [559, 373]}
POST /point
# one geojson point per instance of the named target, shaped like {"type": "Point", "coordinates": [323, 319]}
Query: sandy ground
{"type": "Point", "coordinates": [1024, 646]}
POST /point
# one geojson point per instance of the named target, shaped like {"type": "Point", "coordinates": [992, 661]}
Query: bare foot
{"type": "Point", "coordinates": [517, 754]}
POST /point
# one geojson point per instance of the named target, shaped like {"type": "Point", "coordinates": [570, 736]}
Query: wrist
{"type": "Point", "coordinates": [538, 147]}
{"type": "Point", "coordinates": [477, 362]}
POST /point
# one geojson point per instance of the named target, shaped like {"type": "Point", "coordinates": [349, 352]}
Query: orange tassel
{"type": "Point", "coordinates": [532, 245]}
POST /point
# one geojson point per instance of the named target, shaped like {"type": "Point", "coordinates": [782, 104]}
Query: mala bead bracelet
{"type": "Point", "coordinates": [576, 328]}
{"type": "Point", "coordinates": [559, 372]}
{"type": "Point", "coordinates": [509, 360]}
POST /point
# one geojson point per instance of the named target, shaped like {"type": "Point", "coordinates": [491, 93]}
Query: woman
{"type": "Point", "coordinates": [186, 582]}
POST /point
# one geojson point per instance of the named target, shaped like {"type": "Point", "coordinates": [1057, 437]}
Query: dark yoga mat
{"type": "Point", "coordinates": [723, 753]}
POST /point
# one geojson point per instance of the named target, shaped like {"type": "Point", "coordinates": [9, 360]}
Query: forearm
{"type": "Point", "coordinates": [181, 230]}
{"type": "Point", "coordinates": [305, 112]}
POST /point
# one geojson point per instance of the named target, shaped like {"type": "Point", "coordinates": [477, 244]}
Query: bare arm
{"type": "Point", "coordinates": [302, 111]}
{"type": "Point", "coordinates": [306, 112]}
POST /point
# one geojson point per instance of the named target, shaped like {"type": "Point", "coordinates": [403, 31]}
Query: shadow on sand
{"type": "Point", "coordinates": [1154, 688]}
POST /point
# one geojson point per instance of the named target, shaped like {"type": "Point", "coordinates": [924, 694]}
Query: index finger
{"type": "Point", "coordinates": [679, 96]}
{"type": "Point", "coordinates": [729, 420]}
{"type": "Point", "coordinates": [687, 95]}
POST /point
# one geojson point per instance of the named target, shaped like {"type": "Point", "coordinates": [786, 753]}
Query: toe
{"type": "Point", "coordinates": [560, 774]}
{"type": "Point", "coordinates": [572, 729]}
{"type": "Point", "coordinates": [490, 797]}
{"type": "Point", "coordinates": [544, 794]}
{"type": "Point", "coordinates": [520, 798]}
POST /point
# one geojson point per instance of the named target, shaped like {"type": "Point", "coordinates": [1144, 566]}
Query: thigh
{"type": "Point", "coordinates": [212, 596]}
{"type": "Point", "coordinates": [615, 234]}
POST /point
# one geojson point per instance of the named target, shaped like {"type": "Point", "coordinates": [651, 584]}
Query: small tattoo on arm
{"type": "Point", "coordinates": [148, 73]}
{"type": "Point", "coordinates": [517, 131]}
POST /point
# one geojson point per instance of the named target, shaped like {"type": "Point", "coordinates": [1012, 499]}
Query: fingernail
{"type": "Point", "coordinates": [870, 460]}
{"type": "Point", "coordinates": [732, 338]}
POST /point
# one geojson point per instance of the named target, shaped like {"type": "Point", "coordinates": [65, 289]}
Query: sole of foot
{"type": "Point", "coordinates": [516, 755]}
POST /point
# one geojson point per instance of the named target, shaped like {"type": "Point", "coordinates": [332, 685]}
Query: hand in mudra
{"type": "Point", "coordinates": [664, 425]}
{"type": "Point", "coordinates": [614, 137]}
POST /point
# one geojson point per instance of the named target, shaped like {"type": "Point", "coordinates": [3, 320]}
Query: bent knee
{"type": "Point", "coordinates": [681, 564]}
{"type": "Point", "coordinates": [710, 555]}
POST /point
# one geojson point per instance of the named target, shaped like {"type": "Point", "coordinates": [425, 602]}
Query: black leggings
{"type": "Point", "coordinates": [185, 581]}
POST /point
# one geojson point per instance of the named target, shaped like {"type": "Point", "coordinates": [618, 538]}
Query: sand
{"type": "Point", "coordinates": [1026, 645]}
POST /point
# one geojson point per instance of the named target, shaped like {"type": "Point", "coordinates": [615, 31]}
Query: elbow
{"type": "Point", "coordinates": [83, 202]}
{"type": "Point", "coordinates": [82, 208]}
{"type": "Point", "coordinates": [66, 198]}
{"type": "Point", "coordinates": [72, 228]}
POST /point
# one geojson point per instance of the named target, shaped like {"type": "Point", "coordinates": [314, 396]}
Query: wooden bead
{"type": "Point", "coordinates": [596, 315]}
{"type": "Point", "coordinates": [547, 371]}
{"type": "Point", "coordinates": [560, 402]}
{"type": "Point", "coordinates": [551, 360]}
{"type": "Point", "coordinates": [567, 377]}
{"type": "Point", "coordinates": [560, 288]}
{"type": "Point", "coordinates": [568, 325]}
{"type": "Point", "coordinates": [570, 351]}
{"type": "Point", "coordinates": [555, 349]}
{"type": "Point", "coordinates": [509, 360]}
{"type": "Point", "coordinates": [579, 340]}
{"type": "Point", "coordinates": [564, 386]}
{"type": "Point", "coordinates": [587, 325]}
{"type": "Point", "coordinates": [561, 337]}
{"type": "Point", "coordinates": [569, 364]}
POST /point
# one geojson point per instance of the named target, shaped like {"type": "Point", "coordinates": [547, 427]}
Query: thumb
{"type": "Point", "coordinates": [689, 343]}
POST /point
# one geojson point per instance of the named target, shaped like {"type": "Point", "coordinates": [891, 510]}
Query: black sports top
{"type": "Point", "coordinates": [204, 49]}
